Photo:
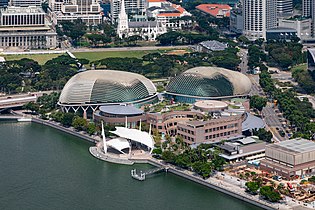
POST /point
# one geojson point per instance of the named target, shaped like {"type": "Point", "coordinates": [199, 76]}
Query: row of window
{"type": "Point", "coordinates": [29, 19]}
{"type": "Point", "coordinates": [221, 134]}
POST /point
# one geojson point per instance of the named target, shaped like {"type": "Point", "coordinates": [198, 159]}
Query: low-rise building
{"type": "Point", "coordinates": [249, 148]}
{"type": "Point", "coordinates": [290, 158]}
{"type": "Point", "coordinates": [212, 45]}
{"type": "Point", "coordinates": [26, 28]}
{"type": "Point", "coordinates": [168, 14]}
{"type": "Point", "coordinates": [215, 10]}
{"type": "Point", "coordinates": [302, 25]}
{"type": "Point", "coordinates": [210, 131]}
{"type": "Point", "coordinates": [120, 115]}
{"type": "Point", "coordinates": [236, 21]}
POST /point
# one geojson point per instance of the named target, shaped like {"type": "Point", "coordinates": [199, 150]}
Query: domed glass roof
{"type": "Point", "coordinates": [209, 82]}
{"type": "Point", "coordinates": [106, 86]}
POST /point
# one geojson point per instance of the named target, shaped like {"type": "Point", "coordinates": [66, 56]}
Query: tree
{"type": "Point", "coordinates": [67, 119]}
{"type": "Point", "coordinates": [79, 123]}
{"type": "Point", "coordinates": [91, 128]}
{"type": "Point", "coordinates": [263, 135]}
{"type": "Point", "coordinates": [270, 194]}
{"type": "Point", "coordinates": [168, 156]}
{"type": "Point", "coordinates": [252, 187]}
{"type": "Point", "coordinates": [32, 106]}
{"type": "Point", "coordinates": [258, 102]}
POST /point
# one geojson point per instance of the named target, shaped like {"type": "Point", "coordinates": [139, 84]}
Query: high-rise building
{"type": "Point", "coordinates": [26, 3]}
{"type": "Point", "coordinates": [131, 7]}
{"type": "Point", "coordinates": [284, 7]}
{"type": "Point", "coordinates": [4, 3]}
{"type": "Point", "coordinates": [308, 10]}
{"type": "Point", "coordinates": [258, 16]}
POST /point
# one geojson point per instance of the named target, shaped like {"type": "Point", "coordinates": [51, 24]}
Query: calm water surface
{"type": "Point", "coordinates": [42, 168]}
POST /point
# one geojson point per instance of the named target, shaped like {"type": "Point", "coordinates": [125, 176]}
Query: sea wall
{"type": "Point", "coordinates": [213, 186]}
{"type": "Point", "coordinates": [64, 129]}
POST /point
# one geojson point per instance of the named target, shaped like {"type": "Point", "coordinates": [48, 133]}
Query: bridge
{"type": "Point", "coordinates": [142, 175]}
{"type": "Point", "coordinates": [12, 102]}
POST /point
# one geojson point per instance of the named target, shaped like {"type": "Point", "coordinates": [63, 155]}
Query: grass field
{"type": "Point", "coordinates": [94, 56]}
{"type": "Point", "coordinates": [299, 67]}
{"type": "Point", "coordinates": [40, 58]}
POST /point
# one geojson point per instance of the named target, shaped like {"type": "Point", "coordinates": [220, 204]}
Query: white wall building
{"type": "Point", "coordinates": [258, 16]}
{"type": "Point", "coordinates": [148, 30]}
{"type": "Point", "coordinates": [87, 10]}
{"type": "Point", "coordinates": [26, 28]}
{"type": "Point", "coordinates": [26, 3]}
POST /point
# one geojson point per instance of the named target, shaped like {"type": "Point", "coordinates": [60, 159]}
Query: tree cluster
{"type": "Point", "coordinates": [306, 79]}
{"type": "Point", "coordinates": [299, 113]}
{"type": "Point", "coordinates": [268, 192]}
{"type": "Point", "coordinates": [263, 135]}
{"type": "Point", "coordinates": [200, 160]}
{"type": "Point", "coordinates": [285, 54]}
{"type": "Point", "coordinates": [257, 102]}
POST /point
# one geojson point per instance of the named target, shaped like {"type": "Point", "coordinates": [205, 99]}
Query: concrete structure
{"type": "Point", "coordinates": [258, 16]}
{"type": "Point", "coordinates": [88, 90]}
{"type": "Point", "coordinates": [213, 45]}
{"type": "Point", "coordinates": [207, 83]}
{"type": "Point", "coordinates": [89, 11]}
{"type": "Point", "coordinates": [210, 106]}
{"type": "Point", "coordinates": [249, 148]}
{"type": "Point", "coordinates": [281, 34]}
{"type": "Point", "coordinates": [215, 10]}
{"type": "Point", "coordinates": [236, 20]}
{"type": "Point", "coordinates": [119, 115]}
{"type": "Point", "coordinates": [166, 123]}
{"type": "Point", "coordinates": [290, 158]}
{"type": "Point", "coordinates": [302, 25]}
{"type": "Point", "coordinates": [311, 59]}
{"type": "Point", "coordinates": [26, 28]}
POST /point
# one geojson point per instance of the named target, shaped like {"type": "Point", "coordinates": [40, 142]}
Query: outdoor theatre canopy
{"type": "Point", "coordinates": [118, 144]}
{"type": "Point", "coordinates": [135, 135]}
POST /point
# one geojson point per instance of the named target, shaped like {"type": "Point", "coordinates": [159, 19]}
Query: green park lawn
{"type": "Point", "coordinates": [40, 58]}
{"type": "Point", "coordinates": [94, 56]}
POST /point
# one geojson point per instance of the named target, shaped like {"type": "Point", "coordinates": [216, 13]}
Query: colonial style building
{"type": "Point", "coordinates": [148, 30]}
{"type": "Point", "coordinates": [26, 28]}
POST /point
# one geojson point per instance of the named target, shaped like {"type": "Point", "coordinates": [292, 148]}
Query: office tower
{"type": "Point", "coordinates": [258, 16]}
{"type": "Point", "coordinates": [284, 7]}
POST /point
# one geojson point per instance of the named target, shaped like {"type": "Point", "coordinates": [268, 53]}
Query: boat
{"type": "Point", "coordinates": [24, 120]}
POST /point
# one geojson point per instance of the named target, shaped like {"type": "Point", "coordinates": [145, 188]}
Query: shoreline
{"type": "Point", "coordinates": [171, 168]}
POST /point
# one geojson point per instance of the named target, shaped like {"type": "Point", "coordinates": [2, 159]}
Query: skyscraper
{"type": "Point", "coordinates": [284, 7]}
{"type": "Point", "coordinates": [258, 16]}
{"type": "Point", "coordinates": [308, 10]}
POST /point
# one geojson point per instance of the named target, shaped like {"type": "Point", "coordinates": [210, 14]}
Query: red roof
{"type": "Point", "coordinates": [215, 9]}
{"type": "Point", "coordinates": [169, 14]}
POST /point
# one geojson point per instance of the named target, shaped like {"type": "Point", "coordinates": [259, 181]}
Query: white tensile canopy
{"type": "Point", "coordinates": [118, 144]}
{"type": "Point", "coordinates": [135, 135]}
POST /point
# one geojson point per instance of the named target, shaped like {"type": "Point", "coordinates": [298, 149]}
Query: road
{"type": "Point", "coordinates": [256, 89]}
{"type": "Point", "coordinates": [74, 50]}
{"type": "Point", "coordinates": [243, 55]}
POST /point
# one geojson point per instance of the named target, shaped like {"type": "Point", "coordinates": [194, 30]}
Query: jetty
{"type": "Point", "coordinates": [142, 175]}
